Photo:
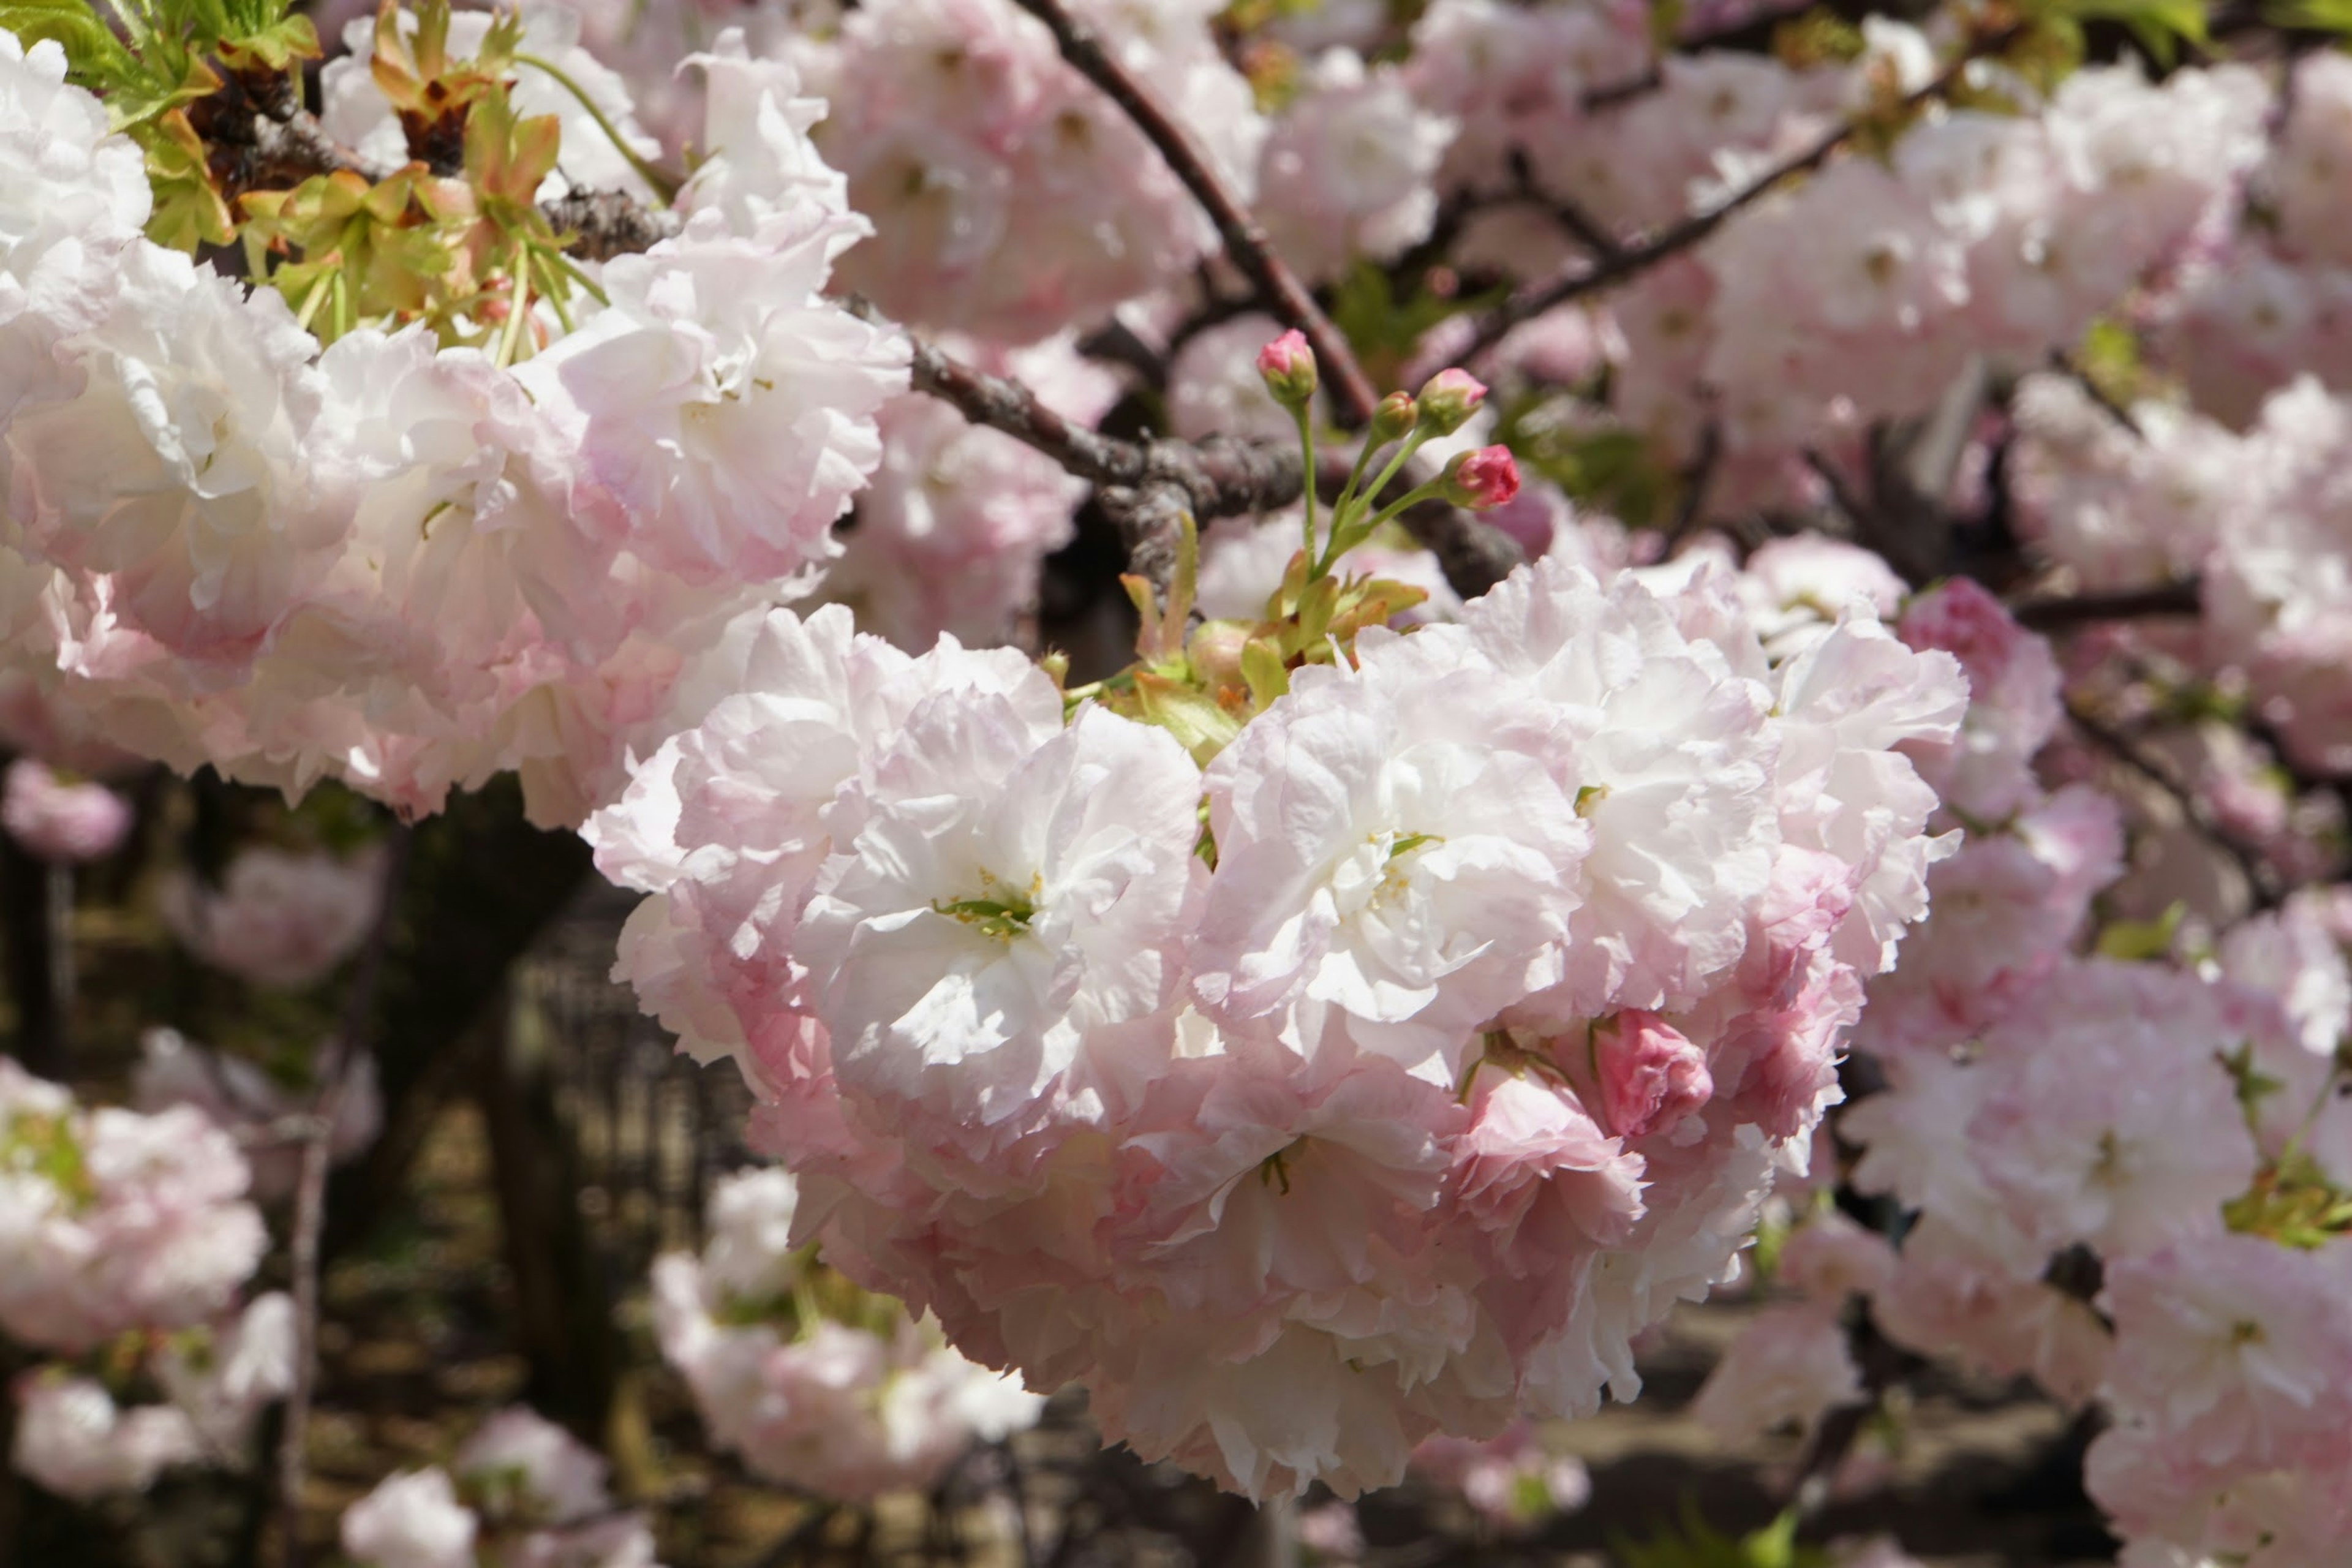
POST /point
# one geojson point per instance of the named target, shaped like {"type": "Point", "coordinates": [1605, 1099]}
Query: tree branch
{"type": "Point", "coordinates": [310, 1195]}
{"type": "Point", "coordinates": [289, 145]}
{"type": "Point", "coordinates": [2262, 878]}
{"type": "Point", "coordinates": [1352, 396]}
{"type": "Point", "coordinates": [1147, 486]}
{"type": "Point", "coordinates": [298, 146]}
{"type": "Point", "coordinates": [2064, 611]}
{"type": "Point", "coordinates": [1631, 260]}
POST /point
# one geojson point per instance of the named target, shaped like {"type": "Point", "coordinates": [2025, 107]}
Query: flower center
{"type": "Point", "coordinates": [1000, 911]}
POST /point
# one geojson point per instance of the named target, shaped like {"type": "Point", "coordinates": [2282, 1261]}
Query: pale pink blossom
{"type": "Point", "coordinates": [1829, 1257]}
{"type": "Point", "coordinates": [1789, 1367]}
{"type": "Point", "coordinates": [1009, 197]}
{"type": "Point", "coordinates": [412, 1520]}
{"type": "Point", "coordinates": [1510, 1479]}
{"type": "Point", "coordinates": [726, 405]}
{"type": "Point", "coordinates": [75, 199]}
{"type": "Point", "coordinates": [59, 821]}
{"type": "Point", "coordinates": [278, 919]}
{"type": "Point", "coordinates": [73, 1440]}
{"type": "Point", "coordinates": [1348, 169]}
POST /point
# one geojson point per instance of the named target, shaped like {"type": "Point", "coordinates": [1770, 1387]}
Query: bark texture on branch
{"type": "Point", "coordinates": [1351, 392]}
{"type": "Point", "coordinates": [1146, 484]}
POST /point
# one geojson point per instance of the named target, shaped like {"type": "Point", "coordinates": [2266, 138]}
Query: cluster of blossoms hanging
{"type": "Point", "coordinates": [2125, 1175]}
{"type": "Point", "coordinates": [440, 500]}
{"type": "Point", "coordinates": [1316, 1036]}
{"type": "Point", "coordinates": [124, 1243]}
{"type": "Point", "coordinates": [521, 1489]}
{"type": "Point", "coordinates": [815, 1383]}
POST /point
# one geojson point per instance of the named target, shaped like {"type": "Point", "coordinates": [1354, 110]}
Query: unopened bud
{"type": "Point", "coordinates": [1449, 400]}
{"type": "Point", "coordinates": [1216, 651]}
{"type": "Point", "coordinates": [1483, 479]}
{"type": "Point", "coordinates": [1396, 416]}
{"type": "Point", "coordinates": [1289, 366]}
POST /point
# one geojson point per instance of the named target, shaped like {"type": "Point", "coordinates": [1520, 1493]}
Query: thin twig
{"type": "Point", "coordinates": [1698, 479]}
{"type": "Point", "coordinates": [2069, 366]}
{"type": "Point", "coordinates": [1148, 486]}
{"type": "Point", "coordinates": [1842, 495]}
{"type": "Point", "coordinates": [1582, 227]}
{"type": "Point", "coordinates": [1632, 259]}
{"type": "Point", "coordinates": [2261, 878]}
{"type": "Point", "coordinates": [310, 1195]}
{"type": "Point", "coordinates": [1352, 397]}
{"type": "Point", "coordinates": [2062, 611]}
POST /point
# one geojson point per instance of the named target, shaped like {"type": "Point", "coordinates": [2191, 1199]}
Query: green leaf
{"type": "Point", "coordinates": [1200, 724]}
{"type": "Point", "coordinates": [1698, 1544]}
{"type": "Point", "coordinates": [1262, 670]}
{"type": "Point", "coordinates": [2136, 941]}
{"type": "Point", "coordinates": [95, 57]}
{"type": "Point", "coordinates": [188, 211]}
{"type": "Point", "coordinates": [2160, 27]}
{"type": "Point", "coordinates": [276, 47]}
{"type": "Point", "coordinates": [2311, 16]}
{"type": "Point", "coordinates": [1384, 330]}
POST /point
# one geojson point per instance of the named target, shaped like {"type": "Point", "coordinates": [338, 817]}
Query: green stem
{"type": "Point", "coordinates": [518, 314]}
{"type": "Point", "coordinates": [313, 299]}
{"type": "Point", "coordinates": [1396, 509]}
{"type": "Point", "coordinates": [1306, 441]}
{"type": "Point", "coordinates": [1348, 491]}
{"type": "Point", "coordinates": [1346, 534]}
{"type": "Point", "coordinates": [1413, 443]}
{"type": "Point", "coordinates": [589, 286]}
{"type": "Point", "coordinates": [664, 186]}
{"type": "Point", "coordinates": [549, 288]}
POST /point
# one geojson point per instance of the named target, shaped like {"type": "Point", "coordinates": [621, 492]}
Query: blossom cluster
{"type": "Point", "coordinates": [815, 1384]}
{"type": "Point", "coordinates": [129, 1235]}
{"type": "Point", "coordinates": [1335, 1037]}
{"type": "Point", "coordinates": [394, 561]}
{"type": "Point", "coordinates": [2120, 1171]}
{"type": "Point", "coordinates": [521, 1489]}
{"type": "Point", "coordinates": [1388, 1075]}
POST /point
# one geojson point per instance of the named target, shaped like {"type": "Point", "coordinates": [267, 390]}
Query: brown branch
{"type": "Point", "coordinates": [1698, 479]}
{"type": "Point", "coordinates": [2062, 611]}
{"type": "Point", "coordinates": [2261, 878]}
{"type": "Point", "coordinates": [2069, 366]}
{"type": "Point", "coordinates": [297, 146]}
{"type": "Point", "coordinates": [1147, 485]}
{"type": "Point", "coordinates": [1352, 396]}
{"type": "Point", "coordinates": [310, 1195]}
{"type": "Point", "coordinates": [606, 223]}
{"type": "Point", "coordinates": [1631, 260]}
{"type": "Point", "coordinates": [286, 145]}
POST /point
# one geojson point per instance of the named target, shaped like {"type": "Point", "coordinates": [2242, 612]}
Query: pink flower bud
{"type": "Point", "coordinates": [1397, 414]}
{"type": "Point", "coordinates": [1648, 1075]}
{"type": "Point", "coordinates": [1449, 399]}
{"type": "Point", "coordinates": [1289, 366]}
{"type": "Point", "coordinates": [1486, 477]}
